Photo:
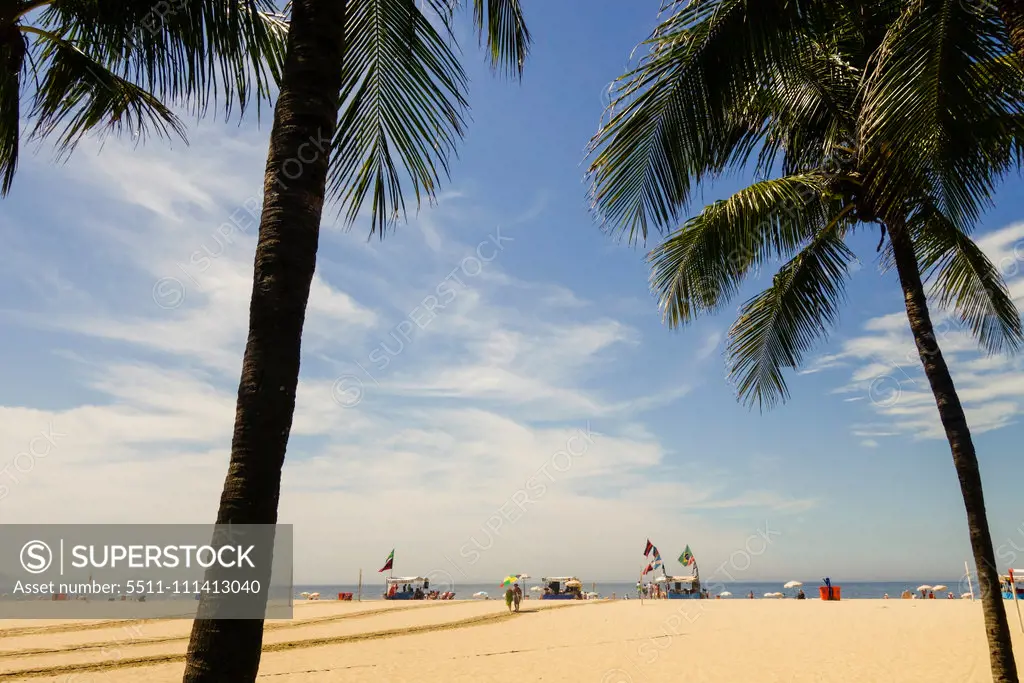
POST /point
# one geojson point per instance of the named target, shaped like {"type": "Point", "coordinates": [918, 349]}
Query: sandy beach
{"type": "Point", "coordinates": [898, 641]}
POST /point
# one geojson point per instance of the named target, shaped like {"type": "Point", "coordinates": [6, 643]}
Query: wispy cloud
{"type": "Point", "coordinates": [884, 367]}
{"type": "Point", "coordinates": [465, 412]}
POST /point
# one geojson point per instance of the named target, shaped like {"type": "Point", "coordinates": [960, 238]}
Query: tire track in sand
{"type": "Point", "coordinates": [154, 660]}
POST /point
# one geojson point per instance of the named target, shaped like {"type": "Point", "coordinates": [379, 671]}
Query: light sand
{"type": "Point", "coordinates": [897, 641]}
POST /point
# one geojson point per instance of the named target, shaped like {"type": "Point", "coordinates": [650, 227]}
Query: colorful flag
{"type": "Point", "coordinates": [389, 563]}
{"type": "Point", "coordinates": [647, 570]}
{"type": "Point", "coordinates": [686, 559]}
{"type": "Point", "coordinates": [649, 548]}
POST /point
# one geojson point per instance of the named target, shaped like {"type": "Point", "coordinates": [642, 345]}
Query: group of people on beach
{"type": "Point", "coordinates": [930, 595]}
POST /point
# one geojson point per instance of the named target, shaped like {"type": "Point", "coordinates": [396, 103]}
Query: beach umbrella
{"type": "Point", "coordinates": [940, 587]}
{"type": "Point", "coordinates": [481, 594]}
{"type": "Point", "coordinates": [793, 584]}
{"type": "Point", "coordinates": [304, 594]}
{"type": "Point", "coordinates": [508, 581]}
{"type": "Point", "coordinates": [726, 594]}
{"type": "Point", "coordinates": [769, 595]}
{"type": "Point", "coordinates": [924, 588]}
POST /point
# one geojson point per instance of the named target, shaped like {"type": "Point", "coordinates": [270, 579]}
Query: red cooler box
{"type": "Point", "coordinates": [836, 592]}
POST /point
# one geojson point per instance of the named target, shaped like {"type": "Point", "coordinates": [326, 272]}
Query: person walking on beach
{"type": "Point", "coordinates": [517, 596]}
{"type": "Point", "coordinates": [508, 599]}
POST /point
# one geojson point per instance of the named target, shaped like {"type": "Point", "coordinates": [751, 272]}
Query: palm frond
{"type": "Point", "coordinates": [187, 53]}
{"type": "Point", "coordinates": [11, 60]}
{"type": "Point", "coordinates": [939, 102]}
{"type": "Point", "coordinates": [403, 98]}
{"type": "Point", "coordinates": [508, 39]}
{"type": "Point", "coordinates": [964, 280]}
{"type": "Point", "coordinates": [78, 95]}
{"type": "Point", "coordinates": [779, 326]}
{"type": "Point", "coordinates": [678, 118]}
{"type": "Point", "coordinates": [700, 267]}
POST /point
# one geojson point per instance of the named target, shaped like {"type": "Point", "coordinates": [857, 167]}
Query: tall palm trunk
{"type": "Point", "coordinates": [951, 413]}
{"type": "Point", "coordinates": [1012, 12]}
{"type": "Point", "coordinates": [304, 122]}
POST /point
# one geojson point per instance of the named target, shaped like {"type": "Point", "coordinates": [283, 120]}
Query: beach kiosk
{"type": "Point", "coordinates": [406, 588]}
{"type": "Point", "coordinates": [562, 588]}
{"type": "Point", "coordinates": [680, 587]}
{"type": "Point", "coordinates": [1007, 585]}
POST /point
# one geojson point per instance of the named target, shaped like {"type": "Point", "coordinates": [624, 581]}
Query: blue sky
{"type": "Point", "coordinates": [125, 300]}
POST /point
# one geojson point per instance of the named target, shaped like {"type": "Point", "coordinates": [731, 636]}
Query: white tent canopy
{"type": "Point", "coordinates": [405, 579]}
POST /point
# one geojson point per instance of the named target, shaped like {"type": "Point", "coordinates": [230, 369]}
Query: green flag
{"type": "Point", "coordinates": [686, 559]}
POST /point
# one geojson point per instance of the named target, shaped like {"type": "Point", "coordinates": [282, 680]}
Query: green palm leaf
{"type": "Point", "coordinates": [965, 280]}
{"type": "Point", "coordinates": [78, 95]}
{"type": "Point", "coordinates": [679, 117]}
{"type": "Point", "coordinates": [699, 268]}
{"type": "Point", "coordinates": [404, 100]}
{"type": "Point", "coordinates": [187, 53]}
{"type": "Point", "coordinates": [940, 101]}
{"type": "Point", "coordinates": [10, 118]}
{"type": "Point", "coordinates": [508, 39]}
{"type": "Point", "coordinates": [778, 327]}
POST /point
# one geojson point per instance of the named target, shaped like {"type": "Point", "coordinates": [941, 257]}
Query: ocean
{"type": "Point", "coordinates": [850, 590]}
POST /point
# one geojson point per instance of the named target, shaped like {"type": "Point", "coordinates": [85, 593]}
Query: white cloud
{"type": "Point", "coordinates": [885, 368]}
{"type": "Point", "coordinates": [472, 411]}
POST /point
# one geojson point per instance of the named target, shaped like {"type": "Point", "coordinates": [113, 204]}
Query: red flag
{"type": "Point", "coordinates": [649, 548]}
{"type": "Point", "coordinates": [649, 569]}
{"type": "Point", "coordinates": [388, 563]}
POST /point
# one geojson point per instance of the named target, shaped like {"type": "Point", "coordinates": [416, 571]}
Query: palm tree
{"type": "Point", "coordinates": [369, 88]}
{"type": "Point", "coordinates": [1012, 12]}
{"type": "Point", "coordinates": [897, 115]}
{"type": "Point", "coordinates": [121, 65]}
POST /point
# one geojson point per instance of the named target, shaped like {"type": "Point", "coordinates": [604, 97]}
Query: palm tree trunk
{"type": "Point", "coordinates": [1012, 12]}
{"type": "Point", "coordinates": [304, 123]}
{"type": "Point", "coordinates": [951, 413]}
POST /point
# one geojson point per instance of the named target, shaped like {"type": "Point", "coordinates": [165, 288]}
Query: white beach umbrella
{"type": "Point", "coordinates": [769, 595]}
{"type": "Point", "coordinates": [481, 594]}
{"type": "Point", "coordinates": [793, 584]}
{"type": "Point", "coordinates": [965, 596]}
{"type": "Point", "coordinates": [940, 587]}
{"type": "Point", "coordinates": [304, 594]}
{"type": "Point", "coordinates": [924, 588]}
{"type": "Point", "coordinates": [725, 594]}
